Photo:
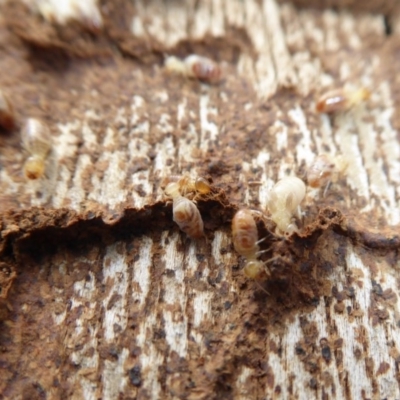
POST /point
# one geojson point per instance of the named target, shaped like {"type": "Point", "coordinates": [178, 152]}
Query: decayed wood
{"type": "Point", "coordinates": [110, 299]}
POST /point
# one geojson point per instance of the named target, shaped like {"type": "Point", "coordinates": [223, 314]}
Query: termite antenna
{"type": "Point", "coordinates": [259, 285]}
{"type": "Point", "coordinates": [272, 259]}
{"type": "Point", "coordinates": [261, 240]}
{"type": "Point", "coordinates": [263, 251]}
{"type": "Point", "coordinates": [326, 189]}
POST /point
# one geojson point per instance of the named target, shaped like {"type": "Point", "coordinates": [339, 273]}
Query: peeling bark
{"type": "Point", "coordinates": [103, 297]}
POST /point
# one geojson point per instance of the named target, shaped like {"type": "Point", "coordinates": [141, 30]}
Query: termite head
{"type": "Point", "coordinates": [254, 269]}
{"type": "Point", "coordinates": [284, 224]}
{"type": "Point", "coordinates": [320, 171]}
{"type": "Point", "coordinates": [202, 186]}
{"type": "Point", "coordinates": [34, 168]}
{"type": "Point", "coordinates": [172, 190]}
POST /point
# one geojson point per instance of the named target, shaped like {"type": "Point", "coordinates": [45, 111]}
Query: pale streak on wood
{"type": "Point", "coordinates": [150, 358]}
{"type": "Point", "coordinates": [242, 383]}
{"type": "Point", "coordinates": [114, 377]}
{"type": "Point", "coordinates": [111, 192]}
{"type": "Point", "coordinates": [303, 148]}
{"type": "Point", "coordinates": [278, 367]}
{"type": "Point", "coordinates": [300, 32]}
{"type": "Point", "coordinates": [115, 272]}
{"type": "Point", "coordinates": [285, 73]}
{"type": "Point", "coordinates": [293, 365]}
{"type": "Point", "coordinates": [330, 21]}
{"type": "Point", "coordinates": [138, 20]}
{"type": "Point", "coordinates": [390, 147]}
{"type": "Point", "coordinates": [61, 188]}
{"type": "Point", "coordinates": [355, 370]}
{"type": "Point", "coordinates": [294, 31]}
{"type": "Point", "coordinates": [378, 335]}
{"type": "Point", "coordinates": [65, 10]}
{"type": "Point", "coordinates": [378, 181]}
{"type": "Point", "coordinates": [201, 308]}
{"type": "Point", "coordinates": [86, 291]}
{"type": "Point", "coordinates": [281, 134]}
{"type": "Point", "coordinates": [88, 136]}
{"type": "Point", "coordinates": [247, 198]}
{"type": "Point", "coordinates": [156, 24]}
{"type": "Point", "coordinates": [139, 146]}
{"type": "Point", "coordinates": [8, 183]}
{"type": "Point", "coordinates": [76, 194]}
{"type": "Point", "coordinates": [320, 318]}
{"type": "Point", "coordinates": [221, 240]}
{"type": "Point", "coordinates": [327, 134]}
{"type": "Point", "coordinates": [348, 144]}
{"type": "Point", "coordinates": [264, 67]}
{"type": "Point", "coordinates": [201, 300]}
{"type": "Point", "coordinates": [177, 23]}
{"type": "Point", "coordinates": [141, 270]}
{"type": "Point", "coordinates": [191, 263]}
{"type": "Point", "coordinates": [246, 68]}
{"type": "Point", "coordinates": [208, 129]}
{"type": "Point", "coordinates": [348, 28]}
{"type": "Point", "coordinates": [368, 24]}
{"type": "Point", "coordinates": [234, 13]}
{"type": "Point", "coordinates": [263, 190]}
{"type": "Point", "coordinates": [65, 145]}
{"type": "Point", "coordinates": [217, 18]}
{"type": "Point", "coordinates": [175, 328]}
{"type": "Point", "coordinates": [191, 139]}
{"type": "Point", "coordinates": [165, 150]}
{"type": "Point", "coordinates": [201, 24]}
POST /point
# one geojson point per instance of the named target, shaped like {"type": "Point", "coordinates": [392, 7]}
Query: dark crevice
{"type": "Point", "coordinates": [388, 25]}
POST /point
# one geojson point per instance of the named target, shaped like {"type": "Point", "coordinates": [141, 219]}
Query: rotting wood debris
{"type": "Point", "coordinates": [299, 280]}
{"type": "Point", "coordinates": [40, 229]}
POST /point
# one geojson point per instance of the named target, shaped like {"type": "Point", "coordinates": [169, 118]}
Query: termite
{"type": "Point", "coordinates": [324, 170]}
{"type": "Point", "coordinates": [245, 242]}
{"type": "Point", "coordinates": [203, 68]}
{"type": "Point", "coordinates": [284, 202]}
{"type": "Point", "coordinates": [341, 100]}
{"type": "Point", "coordinates": [200, 186]}
{"type": "Point", "coordinates": [36, 139]}
{"type": "Point", "coordinates": [195, 66]}
{"type": "Point", "coordinates": [7, 118]}
{"type": "Point", "coordinates": [185, 213]}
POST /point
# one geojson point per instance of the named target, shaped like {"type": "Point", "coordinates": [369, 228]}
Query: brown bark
{"type": "Point", "coordinates": [103, 296]}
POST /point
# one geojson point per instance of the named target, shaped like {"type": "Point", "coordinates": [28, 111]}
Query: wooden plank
{"type": "Point", "coordinates": [111, 299]}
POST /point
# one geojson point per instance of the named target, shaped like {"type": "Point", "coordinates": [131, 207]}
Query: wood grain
{"type": "Point", "coordinates": [110, 299]}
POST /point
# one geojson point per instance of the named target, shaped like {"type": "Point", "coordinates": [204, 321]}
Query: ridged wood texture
{"type": "Point", "coordinates": [142, 311]}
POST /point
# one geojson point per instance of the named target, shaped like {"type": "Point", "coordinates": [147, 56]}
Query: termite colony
{"type": "Point", "coordinates": [35, 137]}
{"type": "Point", "coordinates": [283, 205]}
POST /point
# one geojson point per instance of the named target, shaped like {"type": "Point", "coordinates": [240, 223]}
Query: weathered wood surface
{"type": "Point", "coordinates": [111, 300]}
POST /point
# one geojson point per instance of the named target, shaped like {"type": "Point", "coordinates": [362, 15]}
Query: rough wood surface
{"type": "Point", "coordinates": [103, 297]}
